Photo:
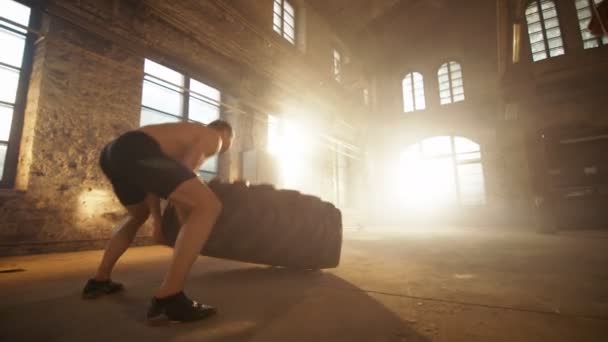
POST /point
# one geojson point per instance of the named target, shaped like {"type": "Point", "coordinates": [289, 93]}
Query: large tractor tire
{"type": "Point", "coordinates": [262, 225]}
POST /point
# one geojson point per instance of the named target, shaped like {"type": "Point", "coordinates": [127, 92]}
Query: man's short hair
{"type": "Point", "coordinates": [221, 125]}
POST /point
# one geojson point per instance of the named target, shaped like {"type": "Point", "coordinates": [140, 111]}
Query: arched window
{"type": "Point", "coordinates": [413, 92]}
{"type": "Point", "coordinates": [584, 10]}
{"type": "Point", "coordinates": [442, 171]}
{"type": "Point", "coordinates": [543, 30]}
{"type": "Point", "coordinates": [451, 87]}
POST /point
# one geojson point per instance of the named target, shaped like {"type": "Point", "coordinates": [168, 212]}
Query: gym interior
{"type": "Point", "coordinates": [461, 144]}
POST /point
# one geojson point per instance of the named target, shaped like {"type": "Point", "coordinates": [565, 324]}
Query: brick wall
{"type": "Point", "coordinates": [86, 88]}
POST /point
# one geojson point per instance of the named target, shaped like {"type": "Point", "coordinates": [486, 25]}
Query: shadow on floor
{"type": "Point", "coordinates": [255, 304]}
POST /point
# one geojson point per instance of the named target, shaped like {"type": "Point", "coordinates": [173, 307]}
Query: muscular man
{"type": "Point", "coordinates": [153, 162]}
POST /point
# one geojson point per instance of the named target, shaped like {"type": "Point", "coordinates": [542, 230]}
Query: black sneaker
{"type": "Point", "coordinates": [95, 288]}
{"type": "Point", "coordinates": [177, 308]}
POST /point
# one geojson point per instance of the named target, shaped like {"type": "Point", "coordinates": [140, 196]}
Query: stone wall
{"type": "Point", "coordinates": [86, 88]}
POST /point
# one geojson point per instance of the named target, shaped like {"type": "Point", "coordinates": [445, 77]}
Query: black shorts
{"type": "Point", "coordinates": [135, 165]}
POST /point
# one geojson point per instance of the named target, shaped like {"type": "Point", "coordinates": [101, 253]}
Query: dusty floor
{"type": "Point", "coordinates": [444, 285]}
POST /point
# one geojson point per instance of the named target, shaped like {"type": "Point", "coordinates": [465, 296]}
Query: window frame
{"type": "Point", "coordinates": [280, 30]}
{"type": "Point", "coordinates": [7, 180]}
{"type": "Point", "coordinates": [543, 30]}
{"type": "Point", "coordinates": [451, 82]}
{"type": "Point", "coordinates": [186, 93]}
{"type": "Point", "coordinates": [413, 93]}
{"type": "Point", "coordinates": [601, 41]}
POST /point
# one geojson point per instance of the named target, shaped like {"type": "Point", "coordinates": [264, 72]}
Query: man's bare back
{"type": "Point", "coordinates": [188, 142]}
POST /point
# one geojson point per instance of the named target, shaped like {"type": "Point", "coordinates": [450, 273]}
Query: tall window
{"type": "Point", "coordinates": [284, 20]}
{"type": "Point", "coordinates": [442, 170]}
{"type": "Point", "coordinates": [169, 96]}
{"type": "Point", "coordinates": [543, 30]}
{"type": "Point", "coordinates": [585, 11]}
{"type": "Point", "coordinates": [13, 42]}
{"type": "Point", "coordinates": [451, 87]}
{"type": "Point", "coordinates": [337, 66]}
{"type": "Point", "coordinates": [413, 92]}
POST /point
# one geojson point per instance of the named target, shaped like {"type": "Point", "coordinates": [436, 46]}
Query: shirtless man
{"type": "Point", "coordinates": [154, 162]}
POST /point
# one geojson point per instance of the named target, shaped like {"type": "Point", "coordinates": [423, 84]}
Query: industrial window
{"type": "Point", "coordinates": [584, 10]}
{"type": "Point", "coordinates": [543, 30]}
{"type": "Point", "coordinates": [413, 92]}
{"type": "Point", "coordinates": [284, 20]}
{"type": "Point", "coordinates": [169, 96]}
{"type": "Point", "coordinates": [451, 87]}
{"type": "Point", "coordinates": [442, 170]}
{"type": "Point", "coordinates": [337, 66]}
{"type": "Point", "coordinates": [13, 40]}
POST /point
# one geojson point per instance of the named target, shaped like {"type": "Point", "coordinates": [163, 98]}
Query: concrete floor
{"type": "Point", "coordinates": [440, 285]}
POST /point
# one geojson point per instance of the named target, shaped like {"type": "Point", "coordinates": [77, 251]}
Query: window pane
{"type": "Point", "coordinates": [437, 146]}
{"type": "Point", "coordinates": [9, 80]}
{"type": "Point", "coordinates": [538, 47]}
{"type": "Point", "coordinates": [532, 8]}
{"type": "Point", "coordinates": [420, 102]}
{"type": "Point", "coordinates": [210, 165]}
{"type": "Point", "coordinates": [590, 44]}
{"type": "Point", "coordinates": [556, 52]}
{"type": "Point", "coordinates": [547, 5]}
{"type": "Point", "coordinates": [539, 56]}
{"type": "Point", "coordinates": [17, 13]}
{"type": "Point", "coordinates": [276, 18]}
{"type": "Point", "coordinates": [160, 98]}
{"type": "Point", "coordinates": [534, 28]}
{"type": "Point", "coordinates": [551, 23]}
{"type": "Point", "coordinates": [555, 42]}
{"type": "Point", "coordinates": [202, 111]}
{"type": "Point", "coordinates": [12, 48]}
{"type": "Point", "coordinates": [464, 145]}
{"type": "Point", "coordinates": [471, 181]}
{"type": "Point", "coordinates": [6, 119]}
{"type": "Point", "coordinates": [464, 157]}
{"type": "Point", "coordinates": [534, 17]}
{"type": "Point", "coordinates": [204, 91]}
{"type": "Point", "coordinates": [445, 94]}
{"type": "Point", "coordinates": [458, 98]}
{"type": "Point", "coordinates": [163, 73]}
{"type": "Point", "coordinates": [456, 75]}
{"type": "Point", "coordinates": [151, 117]}
{"type": "Point", "coordinates": [550, 13]}
{"type": "Point", "coordinates": [3, 148]}
{"type": "Point", "coordinates": [457, 83]}
{"type": "Point", "coordinates": [289, 33]}
{"type": "Point", "coordinates": [582, 4]}
{"type": "Point", "coordinates": [553, 33]}
{"type": "Point", "coordinates": [289, 9]}
{"type": "Point", "coordinates": [536, 37]}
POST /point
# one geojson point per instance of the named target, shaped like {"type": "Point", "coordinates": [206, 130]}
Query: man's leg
{"type": "Point", "coordinates": [122, 238]}
{"type": "Point", "coordinates": [202, 208]}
